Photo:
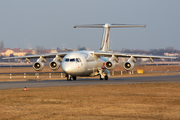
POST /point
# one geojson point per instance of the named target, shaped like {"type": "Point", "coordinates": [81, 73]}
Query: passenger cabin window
{"type": "Point", "coordinates": [72, 60]}
{"type": "Point", "coordinates": [67, 60]}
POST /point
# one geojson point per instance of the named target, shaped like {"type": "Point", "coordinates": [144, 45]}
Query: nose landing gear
{"type": "Point", "coordinates": [69, 77]}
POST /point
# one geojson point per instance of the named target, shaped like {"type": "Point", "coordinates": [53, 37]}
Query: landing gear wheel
{"type": "Point", "coordinates": [101, 78]}
{"type": "Point", "coordinates": [74, 77]}
{"type": "Point", "coordinates": [106, 77]}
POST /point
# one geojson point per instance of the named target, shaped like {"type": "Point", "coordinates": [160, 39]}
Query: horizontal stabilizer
{"type": "Point", "coordinates": [109, 25]}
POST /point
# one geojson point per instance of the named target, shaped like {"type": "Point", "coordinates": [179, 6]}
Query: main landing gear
{"type": "Point", "coordinates": [105, 77]}
{"type": "Point", "coordinates": [69, 77]}
{"type": "Point", "coordinates": [102, 73]}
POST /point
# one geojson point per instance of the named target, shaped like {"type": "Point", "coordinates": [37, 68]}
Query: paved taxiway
{"type": "Point", "coordinates": [89, 81]}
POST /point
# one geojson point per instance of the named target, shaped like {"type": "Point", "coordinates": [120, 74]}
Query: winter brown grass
{"type": "Point", "coordinates": [149, 101]}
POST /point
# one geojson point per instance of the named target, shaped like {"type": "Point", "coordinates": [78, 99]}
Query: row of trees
{"type": "Point", "coordinates": [170, 50]}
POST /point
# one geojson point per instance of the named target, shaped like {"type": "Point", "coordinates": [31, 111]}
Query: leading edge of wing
{"type": "Point", "coordinates": [134, 55]}
{"type": "Point", "coordinates": [50, 55]}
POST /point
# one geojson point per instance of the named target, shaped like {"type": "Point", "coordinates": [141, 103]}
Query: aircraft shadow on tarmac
{"type": "Point", "coordinates": [81, 79]}
{"type": "Point", "coordinates": [96, 79]}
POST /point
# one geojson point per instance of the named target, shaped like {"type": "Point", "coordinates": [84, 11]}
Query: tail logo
{"type": "Point", "coordinates": [107, 41]}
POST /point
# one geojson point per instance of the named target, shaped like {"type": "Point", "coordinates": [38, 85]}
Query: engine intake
{"type": "Point", "coordinates": [38, 66]}
{"type": "Point", "coordinates": [54, 65]}
{"type": "Point", "coordinates": [129, 64]}
{"type": "Point", "coordinates": [109, 65]}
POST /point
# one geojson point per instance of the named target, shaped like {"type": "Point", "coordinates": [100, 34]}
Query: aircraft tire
{"type": "Point", "coordinates": [101, 78]}
{"type": "Point", "coordinates": [74, 77]}
{"type": "Point", "coordinates": [106, 77]}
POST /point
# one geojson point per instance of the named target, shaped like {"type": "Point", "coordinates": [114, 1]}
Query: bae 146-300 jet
{"type": "Point", "coordinates": [89, 63]}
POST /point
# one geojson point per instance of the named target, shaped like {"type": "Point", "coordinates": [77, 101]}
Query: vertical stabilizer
{"type": "Point", "coordinates": [105, 40]}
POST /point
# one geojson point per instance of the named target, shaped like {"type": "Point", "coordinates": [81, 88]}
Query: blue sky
{"type": "Point", "coordinates": [49, 23]}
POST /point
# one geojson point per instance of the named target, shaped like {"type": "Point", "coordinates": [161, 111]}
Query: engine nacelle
{"type": "Point", "coordinates": [128, 65]}
{"type": "Point", "coordinates": [110, 65]}
{"type": "Point", "coordinates": [38, 66]}
{"type": "Point", "coordinates": [54, 65]}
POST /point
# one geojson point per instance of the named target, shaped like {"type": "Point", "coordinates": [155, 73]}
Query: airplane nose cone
{"type": "Point", "coordinates": [66, 68]}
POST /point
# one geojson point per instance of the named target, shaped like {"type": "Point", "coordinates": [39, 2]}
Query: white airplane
{"type": "Point", "coordinates": [89, 63]}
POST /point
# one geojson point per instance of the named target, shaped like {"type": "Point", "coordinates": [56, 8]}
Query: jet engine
{"type": "Point", "coordinates": [39, 64]}
{"type": "Point", "coordinates": [129, 64]}
{"type": "Point", "coordinates": [54, 65]}
{"type": "Point", "coordinates": [110, 65]}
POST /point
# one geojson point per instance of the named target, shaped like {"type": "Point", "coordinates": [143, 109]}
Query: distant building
{"type": "Point", "coordinates": [53, 50]}
{"type": "Point", "coordinates": [16, 52]}
{"type": "Point", "coordinates": [168, 54]}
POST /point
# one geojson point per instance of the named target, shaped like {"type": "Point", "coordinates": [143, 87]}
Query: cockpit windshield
{"type": "Point", "coordinates": [73, 60]}
{"type": "Point", "coordinates": [67, 59]}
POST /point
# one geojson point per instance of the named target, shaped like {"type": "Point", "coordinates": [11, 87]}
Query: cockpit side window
{"type": "Point", "coordinates": [72, 60]}
{"type": "Point", "coordinates": [67, 60]}
{"type": "Point", "coordinates": [77, 60]}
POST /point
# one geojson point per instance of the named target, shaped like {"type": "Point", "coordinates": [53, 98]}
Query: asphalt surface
{"type": "Point", "coordinates": [89, 81]}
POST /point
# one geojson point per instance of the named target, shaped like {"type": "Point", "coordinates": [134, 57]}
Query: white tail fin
{"type": "Point", "coordinates": [105, 41]}
{"type": "Point", "coordinates": [106, 34]}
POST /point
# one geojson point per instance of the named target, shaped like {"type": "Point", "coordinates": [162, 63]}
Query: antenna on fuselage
{"type": "Point", "coordinates": [106, 35]}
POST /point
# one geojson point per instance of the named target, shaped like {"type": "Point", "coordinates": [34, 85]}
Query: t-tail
{"type": "Point", "coordinates": [106, 34]}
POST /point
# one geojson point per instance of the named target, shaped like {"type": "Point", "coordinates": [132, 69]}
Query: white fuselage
{"type": "Point", "coordinates": [82, 63]}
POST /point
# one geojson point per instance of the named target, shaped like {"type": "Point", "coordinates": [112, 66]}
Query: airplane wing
{"type": "Point", "coordinates": [109, 54]}
{"type": "Point", "coordinates": [50, 55]}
